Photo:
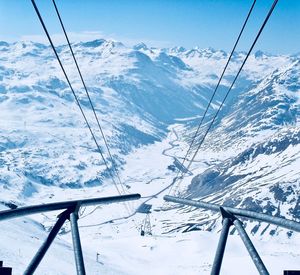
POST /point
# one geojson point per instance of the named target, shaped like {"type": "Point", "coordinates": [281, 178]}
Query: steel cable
{"type": "Point", "coordinates": [230, 88]}
{"type": "Point", "coordinates": [73, 92]}
{"type": "Point", "coordinates": [212, 97]}
{"type": "Point", "coordinates": [78, 102]}
{"type": "Point", "coordinates": [88, 95]}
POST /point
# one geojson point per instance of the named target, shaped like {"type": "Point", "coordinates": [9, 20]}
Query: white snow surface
{"type": "Point", "coordinates": [149, 102]}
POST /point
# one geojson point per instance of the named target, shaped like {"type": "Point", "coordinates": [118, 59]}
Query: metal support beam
{"type": "Point", "coordinates": [35, 209]}
{"type": "Point", "coordinates": [71, 213]}
{"type": "Point", "coordinates": [76, 243]}
{"type": "Point", "coordinates": [250, 247]}
{"type": "Point", "coordinates": [221, 247]}
{"type": "Point", "coordinates": [43, 249]}
{"type": "Point", "coordinates": [289, 224]}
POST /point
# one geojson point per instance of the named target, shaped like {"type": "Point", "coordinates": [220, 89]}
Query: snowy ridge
{"type": "Point", "coordinates": [253, 151]}
{"type": "Point", "coordinates": [149, 101]}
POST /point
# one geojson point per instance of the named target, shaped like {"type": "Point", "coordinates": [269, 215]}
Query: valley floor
{"type": "Point", "coordinates": [107, 231]}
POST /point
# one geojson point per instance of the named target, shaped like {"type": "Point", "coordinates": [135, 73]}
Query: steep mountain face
{"type": "Point", "coordinates": [136, 98]}
{"type": "Point", "coordinates": [259, 135]}
{"type": "Point", "coordinates": [274, 102]}
{"type": "Point", "coordinates": [139, 92]}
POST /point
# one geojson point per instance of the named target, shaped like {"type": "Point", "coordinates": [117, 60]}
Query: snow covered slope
{"type": "Point", "coordinates": [254, 150]}
{"type": "Point", "coordinates": [149, 102]}
{"type": "Point", "coordinates": [136, 98]}
{"type": "Point", "coordinates": [138, 92]}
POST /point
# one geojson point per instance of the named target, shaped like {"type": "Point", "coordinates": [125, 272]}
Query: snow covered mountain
{"type": "Point", "coordinates": [258, 137]}
{"type": "Point", "coordinates": [149, 101]}
{"type": "Point", "coordinates": [138, 92]}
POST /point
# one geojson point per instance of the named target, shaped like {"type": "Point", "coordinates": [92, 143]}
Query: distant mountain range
{"type": "Point", "coordinates": [138, 93]}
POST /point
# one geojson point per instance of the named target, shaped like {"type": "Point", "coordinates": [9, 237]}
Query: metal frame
{"type": "Point", "coordinates": [229, 215]}
{"type": "Point", "coordinates": [70, 213]}
{"type": "Point", "coordinates": [76, 243]}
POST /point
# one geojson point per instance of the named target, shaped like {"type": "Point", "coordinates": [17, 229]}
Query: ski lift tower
{"type": "Point", "coordinates": [146, 224]}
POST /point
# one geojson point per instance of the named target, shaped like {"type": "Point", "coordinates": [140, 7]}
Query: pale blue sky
{"type": "Point", "coordinates": [187, 23]}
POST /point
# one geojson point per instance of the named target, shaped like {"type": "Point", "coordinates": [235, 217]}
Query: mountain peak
{"type": "Point", "coordinates": [140, 46]}
{"type": "Point", "coordinates": [259, 54]}
{"type": "Point", "coordinates": [178, 49]}
{"type": "Point", "coordinates": [94, 43]}
{"type": "Point", "coordinates": [3, 43]}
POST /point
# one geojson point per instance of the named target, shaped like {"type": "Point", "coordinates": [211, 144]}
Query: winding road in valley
{"type": "Point", "coordinates": [172, 144]}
